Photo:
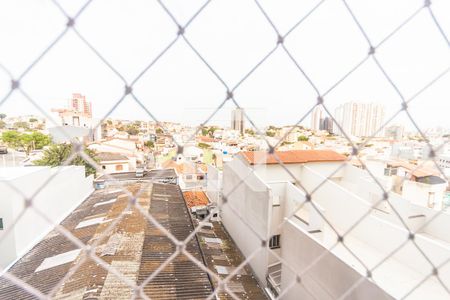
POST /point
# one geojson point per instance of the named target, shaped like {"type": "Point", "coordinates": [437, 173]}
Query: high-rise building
{"type": "Point", "coordinates": [79, 104]}
{"type": "Point", "coordinates": [77, 113]}
{"type": "Point", "coordinates": [359, 119]}
{"type": "Point", "coordinates": [237, 120]}
{"type": "Point", "coordinates": [327, 124]}
{"type": "Point", "coordinates": [76, 118]}
{"type": "Point", "coordinates": [316, 118]}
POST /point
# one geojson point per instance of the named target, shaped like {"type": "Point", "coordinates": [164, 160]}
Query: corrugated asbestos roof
{"type": "Point", "coordinates": [134, 247]}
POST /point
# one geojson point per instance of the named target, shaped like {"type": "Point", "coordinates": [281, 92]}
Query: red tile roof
{"type": "Point", "coordinates": [292, 156]}
{"type": "Point", "coordinates": [415, 170]}
{"type": "Point", "coordinates": [195, 198]}
{"type": "Point", "coordinates": [185, 167]}
{"type": "Point", "coordinates": [206, 139]}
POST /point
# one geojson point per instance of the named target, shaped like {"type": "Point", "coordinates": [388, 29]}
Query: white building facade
{"type": "Point", "coordinates": [304, 259]}
{"type": "Point", "coordinates": [237, 120]}
{"type": "Point", "coordinates": [316, 118]}
{"type": "Point", "coordinates": [68, 187]}
{"type": "Point", "coordinates": [359, 119]}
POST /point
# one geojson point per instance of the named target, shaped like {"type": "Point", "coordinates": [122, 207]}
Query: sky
{"type": "Point", "coordinates": [232, 36]}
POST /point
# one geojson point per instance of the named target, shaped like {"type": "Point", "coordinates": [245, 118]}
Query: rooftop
{"type": "Point", "coordinates": [110, 156]}
{"type": "Point", "coordinates": [134, 247]}
{"type": "Point", "coordinates": [292, 156]}
{"type": "Point", "coordinates": [186, 167]}
{"type": "Point", "coordinates": [195, 198]}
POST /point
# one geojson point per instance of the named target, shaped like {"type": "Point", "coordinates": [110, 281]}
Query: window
{"type": "Point", "coordinates": [103, 167]}
{"type": "Point", "coordinates": [119, 167]}
{"type": "Point", "coordinates": [431, 200]}
{"type": "Point", "coordinates": [389, 171]}
{"type": "Point", "coordinates": [274, 242]}
{"type": "Point", "coordinates": [1, 223]}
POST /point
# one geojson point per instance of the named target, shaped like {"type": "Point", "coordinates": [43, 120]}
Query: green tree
{"type": "Point", "coordinates": [303, 138]}
{"type": "Point", "coordinates": [212, 129]}
{"type": "Point", "coordinates": [12, 138]}
{"type": "Point", "coordinates": [2, 124]}
{"type": "Point", "coordinates": [35, 140]}
{"type": "Point", "coordinates": [270, 133]}
{"type": "Point", "coordinates": [56, 155]}
{"type": "Point", "coordinates": [250, 131]}
{"type": "Point", "coordinates": [203, 145]}
{"type": "Point", "coordinates": [214, 158]}
{"type": "Point", "coordinates": [2, 116]}
{"type": "Point", "coordinates": [32, 141]}
{"type": "Point", "coordinates": [159, 130]}
{"type": "Point", "coordinates": [149, 144]}
{"type": "Point", "coordinates": [32, 120]}
{"type": "Point", "coordinates": [132, 130]}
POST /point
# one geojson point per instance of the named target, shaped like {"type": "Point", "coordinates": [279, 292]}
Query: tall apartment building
{"type": "Point", "coordinates": [79, 104]}
{"type": "Point", "coordinates": [76, 121]}
{"type": "Point", "coordinates": [316, 118]}
{"type": "Point", "coordinates": [359, 119]}
{"type": "Point", "coordinates": [327, 124]}
{"type": "Point", "coordinates": [237, 120]}
{"type": "Point", "coordinates": [77, 113]}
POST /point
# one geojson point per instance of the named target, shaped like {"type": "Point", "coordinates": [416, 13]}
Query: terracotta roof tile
{"type": "Point", "coordinates": [292, 156]}
{"type": "Point", "coordinates": [195, 198]}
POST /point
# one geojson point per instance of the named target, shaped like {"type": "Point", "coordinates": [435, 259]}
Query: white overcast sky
{"type": "Point", "coordinates": [232, 36]}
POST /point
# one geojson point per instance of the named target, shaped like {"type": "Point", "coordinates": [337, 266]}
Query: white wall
{"type": "Point", "coordinates": [250, 199]}
{"type": "Point", "coordinates": [343, 201]}
{"type": "Point", "coordinates": [276, 172]}
{"type": "Point", "coordinates": [110, 167]}
{"type": "Point", "coordinates": [328, 278]}
{"type": "Point", "coordinates": [355, 180]}
{"type": "Point", "coordinates": [335, 199]}
{"type": "Point", "coordinates": [66, 190]}
{"type": "Point", "coordinates": [418, 193]}
{"type": "Point", "coordinates": [214, 184]}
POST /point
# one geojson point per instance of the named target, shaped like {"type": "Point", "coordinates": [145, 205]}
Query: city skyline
{"type": "Point", "coordinates": [224, 149]}
{"type": "Point", "coordinates": [180, 83]}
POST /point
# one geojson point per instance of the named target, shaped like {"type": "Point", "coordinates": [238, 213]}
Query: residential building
{"type": "Point", "coordinates": [316, 118]}
{"type": "Point", "coordinates": [359, 119]}
{"type": "Point", "coordinates": [300, 145]}
{"type": "Point", "coordinates": [327, 124]}
{"type": "Point", "coordinates": [29, 121]}
{"type": "Point", "coordinates": [309, 236]}
{"type": "Point", "coordinates": [79, 104]}
{"type": "Point", "coordinates": [394, 132]}
{"type": "Point", "coordinates": [443, 161]}
{"type": "Point", "coordinates": [420, 185]}
{"type": "Point", "coordinates": [76, 122]}
{"type": "Point", "coordinates": [125, 147]}
{"type": "Point", "coordinates": [113, 162]}
{"type": "Point", "coordinates": [78, 112]}
{"type": "Point", "coordinates": [237, 120]}
{"type": "Point", "coordinates": [190, 174]}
